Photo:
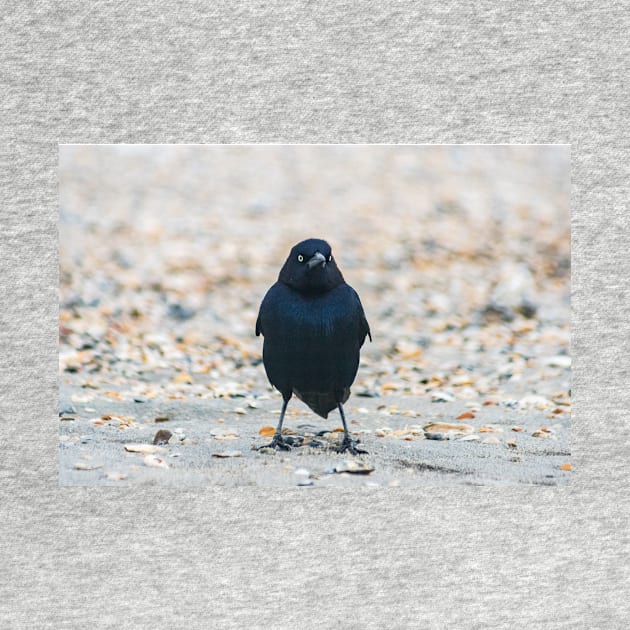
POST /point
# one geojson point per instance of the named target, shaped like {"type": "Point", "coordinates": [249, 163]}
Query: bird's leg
{"type": "Point", "coordinates": [348, 444]}
{"type": "Point", "coordinates": [278, 440]}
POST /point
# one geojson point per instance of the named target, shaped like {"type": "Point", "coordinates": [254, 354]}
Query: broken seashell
{"type": "Point", "coordinates": [87, 466]}
{"type": "Point", "coordinates": [227, 454]}
{"type": "Point", "coordinates": [143, 448]}
{"type": "Point", "coordinates": [447, 427]}
{"type": "Point", "coordinates": [469, 438]}
{"type": "Point", "coordinates": [115, 476]}
{"type": "Point", "coordinates": [155, 462]}
{"type": "Point", "coordinates": [353, 467]}
{"type": "Point", "coordinates": [541, 434]}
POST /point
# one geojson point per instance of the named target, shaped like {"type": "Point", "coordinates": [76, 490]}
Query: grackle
{"type": "Point", "coordinates": [314, 326]}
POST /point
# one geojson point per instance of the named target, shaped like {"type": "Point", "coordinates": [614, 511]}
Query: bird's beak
{"type": "Point", "coordinates": [317, 259]}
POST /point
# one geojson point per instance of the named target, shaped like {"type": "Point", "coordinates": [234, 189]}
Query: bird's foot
{"type": "Point", "coordinates": [351, 446]}
{"type": "Point", "coordinates": [277, 442]}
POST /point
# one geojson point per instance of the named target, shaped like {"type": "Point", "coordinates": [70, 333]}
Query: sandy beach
{"type": "Point", "coordinates": [460, 255]}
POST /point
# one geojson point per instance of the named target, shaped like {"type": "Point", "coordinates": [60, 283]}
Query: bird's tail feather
{"type": "Point", "coordinates": [322, 403]}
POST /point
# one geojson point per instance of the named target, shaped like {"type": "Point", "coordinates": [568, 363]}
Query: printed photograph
{"type": "Point", "coordinates": [314, 316]}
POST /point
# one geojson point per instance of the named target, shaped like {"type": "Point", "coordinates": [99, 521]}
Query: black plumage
{"type": "Point", "coordinates": [314, 326]}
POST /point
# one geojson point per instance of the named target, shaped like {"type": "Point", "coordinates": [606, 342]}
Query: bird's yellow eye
{"type": "Point", "coordinates": [300, 258]}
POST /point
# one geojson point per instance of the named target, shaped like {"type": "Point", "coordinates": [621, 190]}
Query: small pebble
{"type": "Point", "coordinates": [438, 436]}
{"type": "Point", "coordinates": [315, 444]}
{"type": "Point", "coordinates": [162, 436]}
{"type": "Point", "coordinates": [367, 393]}
{"type": "Point", "coordinates": [442, 397]}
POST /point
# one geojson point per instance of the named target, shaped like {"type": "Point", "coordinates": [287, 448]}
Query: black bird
{"type": "Point", "coordinates": [314, 326]}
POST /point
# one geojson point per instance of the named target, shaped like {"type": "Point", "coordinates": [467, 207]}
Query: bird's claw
{"type": "Point", "coordinates": [277, 442]}
{"type": "Point", "coordinates": [351, 447]}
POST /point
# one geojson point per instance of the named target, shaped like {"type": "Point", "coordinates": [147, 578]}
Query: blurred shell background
{"type": "Point", "coordinates": [457, 252]}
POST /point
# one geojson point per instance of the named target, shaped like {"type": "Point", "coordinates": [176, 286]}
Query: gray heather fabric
{"type": "Point", "coordinates": [305, 72]}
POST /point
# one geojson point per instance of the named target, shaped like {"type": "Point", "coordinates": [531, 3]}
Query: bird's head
{"type": "Point", "coordinates": [311, 268]}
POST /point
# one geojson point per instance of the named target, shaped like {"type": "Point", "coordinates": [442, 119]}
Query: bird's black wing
{"type": "Point", "coordinates": [279, 322]}
{"type": "Point", "coordinates": [364, 327]}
